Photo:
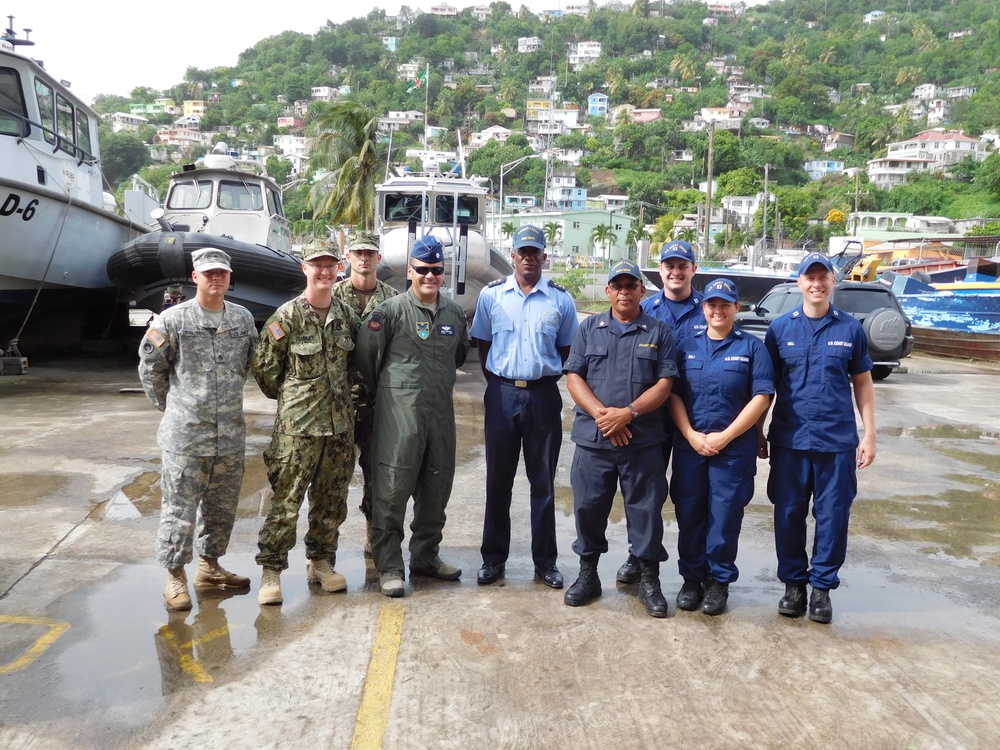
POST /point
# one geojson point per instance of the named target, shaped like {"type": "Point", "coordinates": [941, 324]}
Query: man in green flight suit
{"type": "Point", "coordinates": [363, 292]}
{"type": "Point", "coordinates": [302, 360]}
{"type": "Point", "coordinates": [408, 351]}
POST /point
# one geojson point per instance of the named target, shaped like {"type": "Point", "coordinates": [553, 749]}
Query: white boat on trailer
{"type": "Point", "coordinates": [57, 228]}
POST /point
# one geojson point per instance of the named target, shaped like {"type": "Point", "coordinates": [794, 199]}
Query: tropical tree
{"type": "Point", "coordinates": [686, 64]}
{"type": "Point", "coordinates": [507, 228]}
{"type": "Point", "coordinates": [603, 236]}
{"type": "Point", "coordinates": [687, 234]}
{"type": "Point", "coordinates": [552, 231]}
{"type": "Point", "coordinates": [636, 234]}
{"type": "Point", "coordinates": [346, 147]}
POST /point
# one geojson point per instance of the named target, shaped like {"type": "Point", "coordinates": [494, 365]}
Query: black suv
{"type": "Point", "coordinates": [886, 325]}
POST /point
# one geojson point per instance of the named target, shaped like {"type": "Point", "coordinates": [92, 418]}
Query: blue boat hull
{"type": "Point", "coordinates": [973, 311]}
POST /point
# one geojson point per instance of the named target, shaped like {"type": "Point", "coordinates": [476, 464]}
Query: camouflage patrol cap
{"type": "Point", "coordinates": [363, 241]}
{"type": "Point", "coordinates": [319, 248]}
{"type": "Point", "coordinates": [210, 259]}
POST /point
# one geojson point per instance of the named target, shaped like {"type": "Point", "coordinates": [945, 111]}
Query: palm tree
{"type": "Point", "coordinates": [552, 231]}
{"type": "Point", "coordinates": [603, 235]}
{"type": "Point", "coordinates": [828, 55]}
{"type": "Point", "coordinates": [507, 93]}
{"type": "Point", "coordinates": [908, 74]}
{"type": "Point", "coordinates": [507, 228]}
{"type": "Point", "coordinates": [687, 64]}
{"type": "Point", "coordinates": [346, 146]}
{"type": "Point", "coordinates": [636, 234]}
{"type": "Point", "coordinates": [687, 234]}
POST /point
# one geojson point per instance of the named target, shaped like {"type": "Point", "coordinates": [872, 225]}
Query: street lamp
{"type": "Point", "coordinates": [505, 169]}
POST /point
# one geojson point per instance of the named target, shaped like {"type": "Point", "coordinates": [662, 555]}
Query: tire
{"type": "Point", "coordinates": [886, 331]}
{"type": "Point", "coordinates": [881, 372]}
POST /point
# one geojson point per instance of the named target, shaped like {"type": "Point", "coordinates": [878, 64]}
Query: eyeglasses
{"type": "Point", "coordinates": [331, 267]}
{"type": "Point", "coordinates": [631, 287]}
{"type": "Point", "coordinates": [424, 270]}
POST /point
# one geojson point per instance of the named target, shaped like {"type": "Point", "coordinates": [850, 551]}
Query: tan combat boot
{"type": "Point", "coordinates": [210, 573]}
{"type": "Point", "coordinates": [270, 587]}
{"type": "Point", "coordinates": [329, 579]}
{"type": "Point", "coordinates": [176, 593]}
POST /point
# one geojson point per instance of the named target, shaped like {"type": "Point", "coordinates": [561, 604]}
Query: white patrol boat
{"type": "Point", "coordinates": [57, 227]}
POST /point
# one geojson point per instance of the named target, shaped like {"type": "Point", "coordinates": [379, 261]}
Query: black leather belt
{"type": "Point", "coordinates": [529, 383]}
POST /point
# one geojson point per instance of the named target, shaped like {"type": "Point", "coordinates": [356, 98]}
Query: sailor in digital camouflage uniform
{"type": "Point", "coordinates": [193, 363]}
{"type": "Point", "coordinates": [302, 361]}
{"type": "Point", "coordinates": [408, 351]}
{"type": "Point", "coordinates": [363, 292]}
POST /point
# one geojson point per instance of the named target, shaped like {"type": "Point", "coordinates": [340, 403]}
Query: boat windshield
{"type": "Point", "coordinates": [12, 109]}
{"type": "Point", "coordinates": [405, 206]}
{"type": "Point", "coordinates": [196, 194]}
{"type": "Point", "coordinates": [464, 208]}
{"type": "Point", "coordinates": [240, 196]}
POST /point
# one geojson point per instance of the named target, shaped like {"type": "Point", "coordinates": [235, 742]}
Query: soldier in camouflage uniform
{"type": "Point", "coordinates": [302, 360]}
{"type": "Point", "coordinates": [363, 292]}
{"type": "Point", "coordinates": [408, 351]}
{"type": "Point", "coordinates": [193, 363]}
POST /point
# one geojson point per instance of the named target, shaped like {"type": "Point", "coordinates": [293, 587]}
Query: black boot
{"type": "Point", "coordinates": [716, 597]}
{"type": "Point", "coordinates": [587, 586]}
{"type": "Point", "coordinates": [793, 603]}
{"type": "Point", "coordinates": [649, 589]}
{"type": "Point", "coordinates": [820, 609]}
{"type": "Point", "coordinates": [690, 596]}
{"type": "Point", "coordinates": [629, 571]}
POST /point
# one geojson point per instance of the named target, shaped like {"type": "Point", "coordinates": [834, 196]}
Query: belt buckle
{"type": "Point", "coordinates": [521, 383]}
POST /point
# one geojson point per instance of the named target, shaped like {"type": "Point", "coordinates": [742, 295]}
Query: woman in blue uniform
{"type": "Point", "coordinates": [724, 389]}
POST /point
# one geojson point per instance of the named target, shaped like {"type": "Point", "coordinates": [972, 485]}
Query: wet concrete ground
{"type": "Point", "coordinates": [89, 657]}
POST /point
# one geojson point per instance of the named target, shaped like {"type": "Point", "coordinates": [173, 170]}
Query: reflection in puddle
{"type": "Point", "coordinates": [954, 432]}
{"type": "Point", "coordinates": [962, 524]}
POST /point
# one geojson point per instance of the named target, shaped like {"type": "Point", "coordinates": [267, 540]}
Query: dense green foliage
{"type": "Point", "coordinates": [810, 54]}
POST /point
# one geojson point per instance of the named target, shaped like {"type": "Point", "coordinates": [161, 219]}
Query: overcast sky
{"type": "Point", "coordinates": [112, 47]}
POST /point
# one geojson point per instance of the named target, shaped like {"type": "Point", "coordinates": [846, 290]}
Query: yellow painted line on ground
{"type": "Point", "coordinates": [36, 649]}
{"type": "Point", "coordinates": [185, 659]}
{"type": "Point", "coordinates": [373, 715]}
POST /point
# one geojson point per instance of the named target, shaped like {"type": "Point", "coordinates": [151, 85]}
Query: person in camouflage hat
{"type": "Point", "coordinates": [193, 363]}
{"type": "Point", "coordinates": [302, 361]}
{"type": "Point", "coordinates": [363, 292]}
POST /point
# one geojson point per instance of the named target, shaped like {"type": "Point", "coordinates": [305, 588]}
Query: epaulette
{"type": "Point", "coordinates": [560, 287]}
{"type": "Point", "coordinates": [498, 282]}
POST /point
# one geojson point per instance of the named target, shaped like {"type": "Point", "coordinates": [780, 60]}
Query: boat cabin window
{"type": "Point", "coordinates": [13, 113]}
{"type": "Point", "coordinates": [46, 108]}
{"type": "Point", "coordinates": [405, 206]}
{"type": "Point", "coordinates": [463, 207]}
{"type": "Point", "coordinates": [65, 124]}
{"type": "Point", "coordinates": [83, 133]}
{"type": "Point", "coordinates": [240, 196]}
{"type": "Point", "coordinates": [273, 203]}
{"type": "Point", "coordinates": [197, 194]}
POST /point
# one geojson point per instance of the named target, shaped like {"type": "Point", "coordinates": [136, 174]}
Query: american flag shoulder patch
{"type": "Point", "coordinates": [156, 337]}
{"type": "Point", "coordinates": [276, 331]}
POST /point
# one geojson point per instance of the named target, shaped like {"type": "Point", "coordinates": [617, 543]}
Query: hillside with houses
{"type": "Point", "coordinates": [855, 114]}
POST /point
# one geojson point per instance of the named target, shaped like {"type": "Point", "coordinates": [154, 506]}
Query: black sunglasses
{"type": "Point", "coordinates": [618, 286]}
{"type": "Point", "coordinates": [424, 270]}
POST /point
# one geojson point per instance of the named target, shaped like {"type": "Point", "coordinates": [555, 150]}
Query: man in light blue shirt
{"type": "Point", "coordinates": [524, 327]}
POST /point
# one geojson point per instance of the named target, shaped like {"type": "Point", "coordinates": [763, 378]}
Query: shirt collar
{"type": "Point", "coordinates": [511, 285]}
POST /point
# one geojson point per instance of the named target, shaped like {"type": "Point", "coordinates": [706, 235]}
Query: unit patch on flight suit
{"type": "Point", "coordinates": [423, 329]}
{"type": "Point", "coordinates": [376, 322]}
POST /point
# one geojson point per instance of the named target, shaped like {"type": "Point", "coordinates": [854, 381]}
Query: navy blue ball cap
{"type": "Point", "coordinates": [625, 268]}
{"type": "Point", "coordinates": [529, 236]}
{"type": "Point", "coordinates": [428, 249]}
{"type": "Point", "coordinates": [721, 289]}
{"type": "Point", "coordinates": [813, 259]}
{"type": "Point", "coordinates": [677, 249]}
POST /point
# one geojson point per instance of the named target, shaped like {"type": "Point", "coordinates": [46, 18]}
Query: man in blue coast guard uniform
{"type": "Point", "coordinates": [820, 357]}
{"type": "Point", "coordinates": [619, 372]}
{"type": "Point", "coordinates": [679, 306]}
{"type": "Point", "coordinates": [524, 327]}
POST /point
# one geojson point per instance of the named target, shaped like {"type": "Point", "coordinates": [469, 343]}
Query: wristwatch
{"type": "Point", "coordinates": [635, 412]}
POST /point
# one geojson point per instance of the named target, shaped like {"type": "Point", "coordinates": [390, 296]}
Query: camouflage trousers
{"type": "Point", "coordinates": [200, 495]}
{"type": "Point", "coordinates": [364, 425]}
{"type": "Point", "coordinates": [321, 466]}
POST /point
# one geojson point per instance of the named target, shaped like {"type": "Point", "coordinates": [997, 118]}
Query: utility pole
{"type": "Point", "coordinates": [767, 189]}
{"type": "Point", "coordinates": [708, 190]}
{"type": "Point", "coordinates": [857, 194]}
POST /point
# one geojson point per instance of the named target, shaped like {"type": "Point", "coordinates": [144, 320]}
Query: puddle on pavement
{"type": "Point", "coordinates": [124, 652]}
{"type": "Point", "coordinates": [953, 432]}
{"type": "Point", "coordinates": [21, 490]}
{"type": "Point", "coordinates": [960, 523]}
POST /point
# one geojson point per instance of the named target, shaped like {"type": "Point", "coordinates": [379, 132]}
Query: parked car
{"type": "Point", "coordinates": [889, 333]}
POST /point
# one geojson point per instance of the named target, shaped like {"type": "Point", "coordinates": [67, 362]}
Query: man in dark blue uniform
{"type": "Point", "coordinates": [524, 326]}
{"type": "Point", "coordinates": [619, 372]}
{"type": "Point", "coordinates": [820, 356]}
{"type": "Point", "coordinates": [722, 392]}
{"type": "Point", "coordinates": [679, 306]}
